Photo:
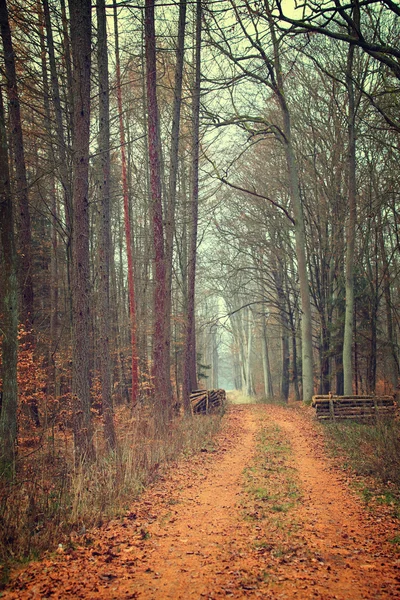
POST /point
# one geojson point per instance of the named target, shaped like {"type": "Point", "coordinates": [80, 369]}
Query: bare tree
{"type": "Point", "coordinates": [189, 365]}
{"type": "Point", "coordinates": [160, 337]}
{"type": "Point", "coordinates": [105, 225]}
{"type": "Point", "coordinates": [80, 16]}
{"type": "Point", "coordinates": [8, 280]}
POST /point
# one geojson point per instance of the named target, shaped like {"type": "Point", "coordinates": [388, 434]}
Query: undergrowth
{"type": "Point", "coordinates": [51, 501]}
{"type": "Point", "coordinates": [370, 450]}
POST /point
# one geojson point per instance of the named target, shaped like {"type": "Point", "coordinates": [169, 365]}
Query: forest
{"type": "Point", "coordinates": [193, 194]}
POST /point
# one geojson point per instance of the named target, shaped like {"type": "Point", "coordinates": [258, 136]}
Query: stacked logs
{"type": "Point", "coordinates": [207, 401]}
{"type": "Point", "coordinates": [353, 407]}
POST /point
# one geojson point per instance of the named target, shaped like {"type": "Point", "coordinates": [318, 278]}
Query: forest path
{"type": "Point", "coordinates": [207, 528]}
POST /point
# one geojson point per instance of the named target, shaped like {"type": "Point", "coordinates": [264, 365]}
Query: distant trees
{"type": "Point", "coordinates": [331, 104]}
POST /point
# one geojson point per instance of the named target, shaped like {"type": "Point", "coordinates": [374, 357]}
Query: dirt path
{"type": "Point", "coordinates": [188, 536]}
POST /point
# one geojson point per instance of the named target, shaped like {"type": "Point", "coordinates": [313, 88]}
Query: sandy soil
{"type": "Point", "coordinates": [188, 537]}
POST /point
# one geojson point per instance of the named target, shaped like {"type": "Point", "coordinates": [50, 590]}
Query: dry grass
{"type": "Point", "coordinates": [370, 449]}
{"type": "Point", "coordinates": [50, 500]}
{"type": "Point", "coordinates": [372, 453]}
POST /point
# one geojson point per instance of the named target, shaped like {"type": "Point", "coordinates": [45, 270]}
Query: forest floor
{"type": "Point", "coordinates": [262, 512]}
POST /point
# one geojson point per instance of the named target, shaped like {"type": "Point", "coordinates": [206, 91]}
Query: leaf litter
{"type": "Point", "coordinates": [266, 514]}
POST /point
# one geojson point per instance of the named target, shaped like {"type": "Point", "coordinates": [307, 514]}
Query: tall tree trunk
{"type": "Point", "coordinates": [105, 225]}
{"type": "Point", "coordinates": [189, 359]}
{"type": "Point", "coordinates": [351, 228]}
{"type": "Point", "coordinates": [52, 370]}
{"type": "Point", "coordinates": [8, 308]}
{"type": "Point", "coordinates": [21, 184]}
{"type": "Point", "coordinates": [325, 385]}
{"type": "Point", "coordinates": [249, 380]}
{"type": "Point", "coordinates": [68, 66]}
{"type": "Point", "coordinates": [61, 145]}
{"type": "Point", "coordinates": [80, 18]}
{"type": "Point", "coordinates": [283, 317]}
{"type": "Point", "coordinates": [21, 189]}
{"type": "Point", "coordinates": [127, 220]}
{"type": "Point", "coordinates": [160, 339]}
{"type": "Point", "coordinates": [214, 357]}
{"type": "Point", "coordinates": [299, 228]}
{"type": "Point", "coordinates": [173, 169]}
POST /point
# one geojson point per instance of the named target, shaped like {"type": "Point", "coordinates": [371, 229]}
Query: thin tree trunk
{"type": "Point", "coordinates": [173, 169]}
{"type": "Point", "coordinates": [268, 388]}
{"type": "Point", "coordinates": [105, 225]}
{"type": "Point", "coordinates": [127, 220]}
{"type": "Point", "coordinates": [80, 15]}
{"type": "Point", "coordinates": [189, 359]}
{"type": "Point", "coordinates": [8, 308]}
{"type": "Point", "coordinates": [52, 370]}
{"type": "Point", "coordinates": [21, 189]}
{"type": "Point", "coordinates": [214, 358]}
{"type": "Point", "coordinates": [249, 382]}
{"type": "Point", "coordinates": [68, 67]}
{"type": "Point", "coordinates": [283, 317]}
{"type": "Point", "coordinates": [394, 368]}
{"type": "Point", "coordinates": [160, 341]}
{"type": "Point", "coordinates": [62, 150]}
{"type": "Point", "coordinates": [351, 228]}
{"type": "Point", "coordinates": [299, 228]}
{"type": "Point", "coordinates": [295, 377]}
{"type": "Point", "coordinates": [21, 184]}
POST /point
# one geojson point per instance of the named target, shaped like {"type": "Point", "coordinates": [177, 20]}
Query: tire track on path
{"type": "Point", "coordinates": [191, 535]}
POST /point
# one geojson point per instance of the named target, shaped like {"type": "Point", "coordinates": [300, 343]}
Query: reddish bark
{"type": "Point", "coordinates": [127, 221]}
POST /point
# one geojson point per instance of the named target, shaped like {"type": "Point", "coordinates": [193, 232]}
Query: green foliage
{"type": "Point", "coordinates": [202, 369]}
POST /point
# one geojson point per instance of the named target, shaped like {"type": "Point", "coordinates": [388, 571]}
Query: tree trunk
{"type": "Point", "coordinates": [283, 317]}
{"type": "Point", "coordinates": [173, 169]}
{"type": "Point", "coordinates": [325, 386]}
{"type": "Point", "coordinates": [189, 359]}
{"type": "Point", "coordinates": [299, 228]}
{"type": "Point", "coordinates": [160, 339]}
{"type": "Point", "coordinates": [80, 16]}
{"type": "Point", "coordinates": [105, 225]}
{"type": "Point", "coordinates": [21, 184]}
{"type": "Point", "coordinates": [68, 67]}
{"type": "Point", "coordinates": [394, 368]}
{"type": "Point", "coordinates": [61, 145]}
{"type": "Point", "coordinates": [8, 308]}
{"type": "Point", "coordinates": [249, 381]}
{"type": "Point", "coordinates": [127, 221]}
{"type": "Point", "coordinates": [268, 388]}
{"type": "Point", "coordinates": [350, 233]}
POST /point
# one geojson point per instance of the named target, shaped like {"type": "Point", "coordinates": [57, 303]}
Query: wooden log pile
{"type": "Point", "coordinates": [362, 408]}
{"type": "Point", "coordinates": [207, 401]}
